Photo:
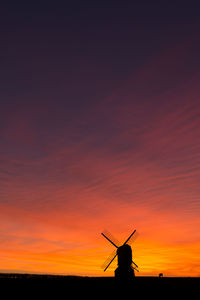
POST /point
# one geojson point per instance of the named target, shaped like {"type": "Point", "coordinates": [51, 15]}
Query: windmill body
{"type": "Point", "coordinates": [125, 270]}
{"type": "Point", "coordinates": [124, 254]}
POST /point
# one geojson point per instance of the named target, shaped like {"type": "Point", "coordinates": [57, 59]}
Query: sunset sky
{"type": "Point", "coordinates": [99, 129]}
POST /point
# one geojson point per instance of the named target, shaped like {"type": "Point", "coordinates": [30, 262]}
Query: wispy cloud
{"type": "Point", "coordinates": [131, 159]}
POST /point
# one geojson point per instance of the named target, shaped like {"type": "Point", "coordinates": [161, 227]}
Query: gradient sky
{"type": "Point", "coordinates": [99, 129]}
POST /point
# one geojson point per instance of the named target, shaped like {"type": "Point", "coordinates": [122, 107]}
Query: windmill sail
{"type": "Point", "coordinates": [129, 237]}
{"type": "Point", "coordinates": [111, 238]}
{"type": "Point", "coordinates": [107, 261]}
{"type": "Point", "coordinates": [110, 262]}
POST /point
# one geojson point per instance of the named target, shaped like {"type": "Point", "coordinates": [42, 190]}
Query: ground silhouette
{"type": "Point", "coordinates": [57, 287]}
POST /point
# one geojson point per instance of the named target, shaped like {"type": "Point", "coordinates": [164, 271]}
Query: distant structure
{"type": "Point", "coordinates": [160, 275]}
{"type": "Point", "coordinates": [125, 269]}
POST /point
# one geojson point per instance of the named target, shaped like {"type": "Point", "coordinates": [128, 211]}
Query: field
{"type": "Point", "coordinates": [59, 287]}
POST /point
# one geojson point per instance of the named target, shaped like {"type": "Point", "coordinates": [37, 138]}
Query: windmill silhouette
{"type": "Point", "coordinates": [126, 265]}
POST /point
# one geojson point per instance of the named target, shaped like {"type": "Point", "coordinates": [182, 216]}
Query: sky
{"type": "Point", "coordinates": [99, 130]}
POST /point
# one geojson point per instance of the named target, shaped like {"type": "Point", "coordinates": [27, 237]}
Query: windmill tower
{"type": "Point", "coordinates": [126, 266]}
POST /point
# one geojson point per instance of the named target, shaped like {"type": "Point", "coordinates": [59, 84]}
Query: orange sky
{"type": "Point", "coordinates": [52, 226]}
{"type": "Point", "coordinates": [100, 134]}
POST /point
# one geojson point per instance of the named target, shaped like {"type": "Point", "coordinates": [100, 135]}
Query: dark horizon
{"type": "Point", "coordinates": [25, 274]}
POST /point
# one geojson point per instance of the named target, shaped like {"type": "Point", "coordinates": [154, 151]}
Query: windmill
{"type": "Point", "coordinates": [126, 265]}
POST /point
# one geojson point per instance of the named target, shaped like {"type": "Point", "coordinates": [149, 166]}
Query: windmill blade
{"type": "Point", "coordinates": [133, 238]}
{"type": "Point", "coordinates": [135, 264]}
{"type": "Point", "coordinates": [129, 237]}
{"type": "Point", "coordinates": [110, 261]}
{"type": "Point", "coordinates": [107, 261]}
{"type": "Point", "coordinates": [110, 238]}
